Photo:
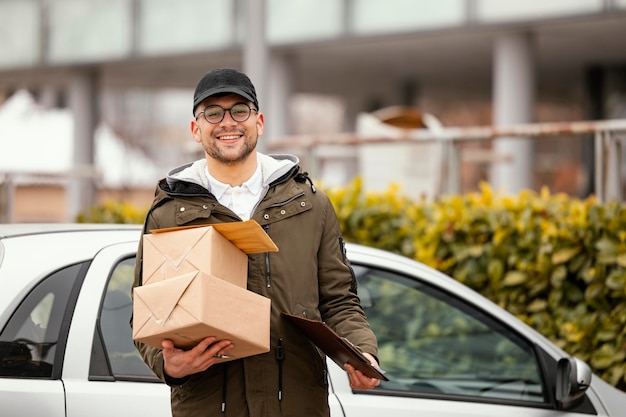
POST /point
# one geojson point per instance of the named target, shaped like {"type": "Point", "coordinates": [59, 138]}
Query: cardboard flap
{"type": "Point", "coordinates": [248, 236]}
{"type": "Point", "coordinates": [175, 248]}
{"type": "Point", "coordinates": [162, 297]}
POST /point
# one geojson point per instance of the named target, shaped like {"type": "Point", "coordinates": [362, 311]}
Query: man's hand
{"type": "Point", "coordinates": [360, 381]}
{"type": "Point", "coordinates": [179, 363]}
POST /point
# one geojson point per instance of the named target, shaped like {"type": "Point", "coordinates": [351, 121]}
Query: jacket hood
{"type": "Point", "coordinates": [273, 167]}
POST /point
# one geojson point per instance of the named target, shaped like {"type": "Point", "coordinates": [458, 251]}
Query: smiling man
{"type": "Point", "coordinates": [310, 276]}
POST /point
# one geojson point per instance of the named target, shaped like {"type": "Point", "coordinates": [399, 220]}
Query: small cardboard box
{"type": "Point", "coordinates": [190, 307]}
{"type": "Point", "coordinates": [219, 250]}
{"type": "Point", "coordinates": [194, 286]}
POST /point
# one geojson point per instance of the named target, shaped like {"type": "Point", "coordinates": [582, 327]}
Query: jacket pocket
{"type": "Point", "coordinates": [187, 212]}
{"type": "Point", "coordinates": [319, 362]}
{"type": "Point", "coordinates": [317, 357]}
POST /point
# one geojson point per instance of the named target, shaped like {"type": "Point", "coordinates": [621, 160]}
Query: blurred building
{"type": "Point", "coordinates": [320, 64]}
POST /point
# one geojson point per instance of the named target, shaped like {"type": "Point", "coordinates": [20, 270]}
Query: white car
{"type": "Point", "coordinates": [66, 348]}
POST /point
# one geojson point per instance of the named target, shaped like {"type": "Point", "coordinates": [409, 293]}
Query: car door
{"type": "Point", "coordinates": [31, 346]}
{"type": "Point", "coordinates": [105, 375]}
{"type": "Point", "coordinates": [445, 356]}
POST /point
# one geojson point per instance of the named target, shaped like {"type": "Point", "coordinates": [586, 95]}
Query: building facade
{"type": "Point", "coordinates": [319, 64]}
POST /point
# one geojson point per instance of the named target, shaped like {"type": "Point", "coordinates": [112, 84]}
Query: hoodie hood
{"type": "Point", "coordinates": [273, 167]}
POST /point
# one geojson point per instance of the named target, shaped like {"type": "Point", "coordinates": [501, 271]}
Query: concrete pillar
{"type": "Point", "coordinates": [7, 196]}
{"type": "Point", "coordinates": [513, 103]}
{"type": "Point", "coordinates": [255, 52]}
{"type": "Point", "coordinates": [83, 104]}
{"type": "Point", "coordinates": [48, 97]}
{"type": "Point", "coordinates": [280, 77]}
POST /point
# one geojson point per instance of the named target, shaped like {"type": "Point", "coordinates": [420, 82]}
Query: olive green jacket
{"type": "Point", "coordinates": [309, 276]}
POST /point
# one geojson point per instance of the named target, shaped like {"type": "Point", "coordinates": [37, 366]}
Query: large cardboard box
{"type": "Point", "coordinates": [219, 250]}
{"type": "Point", "coordinates": [194, 286]}
{"type": "Point", "coordinates": [190, 307]}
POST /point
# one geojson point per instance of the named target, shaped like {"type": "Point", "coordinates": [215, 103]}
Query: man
{"type": "Point", "coordinates": [309, 276]}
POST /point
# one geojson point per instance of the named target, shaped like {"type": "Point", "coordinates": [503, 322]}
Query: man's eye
{"type": "Point", "coordinates": [213, 113]}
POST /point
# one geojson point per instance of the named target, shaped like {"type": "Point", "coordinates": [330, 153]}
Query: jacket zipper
{"type": "Point", "coordinates": [268, 278]}
{"type": "Point", "coordinates": [282, 203]}
{"type": "Point", "coordinates": [344, 255]}
{"type": "Point", "coordinates": [280, 355]}
{"type": "Point", "coordinates": [224, 377]}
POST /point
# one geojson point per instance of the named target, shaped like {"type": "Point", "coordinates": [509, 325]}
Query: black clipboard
{"type": "Point", "coordinates": [338, 348]}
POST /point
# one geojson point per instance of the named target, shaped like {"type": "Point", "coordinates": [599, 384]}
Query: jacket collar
{"type": "Point", "coordinates": [273, 167]}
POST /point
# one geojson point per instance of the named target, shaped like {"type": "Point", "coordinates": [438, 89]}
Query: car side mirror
{"type": "Point", "coordinates": [573, 377]}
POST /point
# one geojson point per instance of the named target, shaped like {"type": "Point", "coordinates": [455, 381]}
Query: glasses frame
{"type": "Point", "coordinates": [229, 110]}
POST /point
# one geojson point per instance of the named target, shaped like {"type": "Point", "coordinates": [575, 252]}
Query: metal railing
{"type": "Point", "coordinates": [608, 136]}
{"type": "Point", "coordinates": [608, 170]}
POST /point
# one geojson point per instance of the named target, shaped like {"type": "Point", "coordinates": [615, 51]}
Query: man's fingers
{"type": "Point", "coordinates": [167, 344]}
{"type": "Point", "coordinates": [204, 354]}
{"type": "Point", "coordinates": [220, 349]}
{"type": "Point", "coordinates": [209, 347]}
{"type": "Point", "coordinates": [204, 344]}
{"type": "Point", "coordinates": [358, 380]}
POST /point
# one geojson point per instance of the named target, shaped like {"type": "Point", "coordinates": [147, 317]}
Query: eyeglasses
{"type": "Point", "coordinates": [240, 112]}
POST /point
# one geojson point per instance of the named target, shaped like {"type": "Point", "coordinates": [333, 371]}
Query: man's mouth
{"type": "Point", "coordinates": [229, 137]}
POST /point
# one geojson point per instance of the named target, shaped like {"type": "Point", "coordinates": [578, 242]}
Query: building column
{"type": "Point", "coordinates": [255, 52]}
{"type": "Point", "coordinates": [81, 191]}
{"type": "Point", "coordinates": [513, 103]}
{"type": "Point", "coordinates": [280, 77]}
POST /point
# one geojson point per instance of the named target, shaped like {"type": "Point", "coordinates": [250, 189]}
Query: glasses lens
{"type": "Point", "coordinates": [214, 114]}
{"type": "Point", "coordinates": [240, 112]}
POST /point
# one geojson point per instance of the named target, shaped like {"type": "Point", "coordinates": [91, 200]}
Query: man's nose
{"type": "Point", "coordinates": [228, 119]}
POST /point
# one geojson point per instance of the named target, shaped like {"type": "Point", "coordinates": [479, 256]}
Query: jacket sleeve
{"type": "Point", "coordinates": [339, 304]}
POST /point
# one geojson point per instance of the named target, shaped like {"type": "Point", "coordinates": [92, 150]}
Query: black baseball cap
{"type": "Point", "coordinates": [224, 81]}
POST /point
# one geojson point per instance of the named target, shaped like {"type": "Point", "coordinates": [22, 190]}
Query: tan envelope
{"type": "Point", "coordinates": [218, 250]}
{"type": "Point", "coordinates": [190, 307]}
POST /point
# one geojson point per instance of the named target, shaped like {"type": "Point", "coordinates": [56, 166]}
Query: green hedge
{"type": "Point", "coordinates": [113, 212]}
{"type": "Point", "coordinates": [556, 262]}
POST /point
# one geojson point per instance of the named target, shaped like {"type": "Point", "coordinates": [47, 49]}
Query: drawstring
{"type": "Point", "coordinates": [224, 377]}
{"type": "Point", "coordinates": [304, 177]}
{"type": "Point", "coordinates": [280, 355]}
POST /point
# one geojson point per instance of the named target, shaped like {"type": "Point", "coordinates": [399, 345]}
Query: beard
{"type": "Point", "coordinates": [230, 156]}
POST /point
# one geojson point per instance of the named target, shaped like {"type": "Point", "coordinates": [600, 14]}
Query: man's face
{"type": "Point", "coordinates": [228, 142]}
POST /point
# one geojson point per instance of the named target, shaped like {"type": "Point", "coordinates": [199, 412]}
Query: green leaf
{"type": "Point", "coordinates": [616, 280]}
{"type": "Point", "coordinates": [495, 269]}
{"type": "Point", "coordinates": [603, 357]}
{"type": "Point", "coordinates": [564, 255]}
{"type": "Point", "coordinates": [606, 335]}
{"type": "Point", "coordinates": [514, 278]}
{"type": "Point", "coordinates": [537, 306]}
{"type": "Point", "coordinates": [578, 262]}
{"type": "Point", "coordinates": [558, 276]}
{"type": "Point", "coordinates": [605, 245]}
{"type": "Point", "coordinates": [594, 290]}
{"type": "Point", "coordinates": [476, 251]}
{"type": "Point", "coordinates": [606, 258]}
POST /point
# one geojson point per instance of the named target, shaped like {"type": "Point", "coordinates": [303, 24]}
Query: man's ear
{"type": "Point", "coordinates": [260, 124]}
{"type": "Point", "coordinates": [195, 131]}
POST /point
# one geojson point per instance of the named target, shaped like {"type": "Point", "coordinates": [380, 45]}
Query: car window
{"type": "Point", "coordinates": [33, 341]}
{"type": "Point", "coordinates": [117, 356]}
{"type": "Point", "coordinates": [431, 342]}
